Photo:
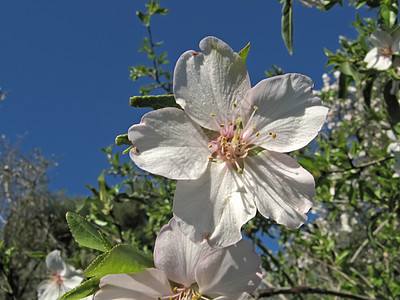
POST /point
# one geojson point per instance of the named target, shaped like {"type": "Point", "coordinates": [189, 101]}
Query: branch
{"type": "Point", "coordinates": [306, 290]}
{"type": "Point", "coordinates": [362, 166]}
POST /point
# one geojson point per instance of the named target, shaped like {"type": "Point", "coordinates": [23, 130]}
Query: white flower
{"type": "Point", "coordinates": [185, 270]}
{"type": "Point", "coordinates": [226, 146]}
{"type": "Point", "coordinates": [394, 148]}
{"type": "Point", "coordinates": [385, 45]}
{"type": "Point", "coordinates": [63, 278]}
{"type": "Point", "coordinates": [310, 3]}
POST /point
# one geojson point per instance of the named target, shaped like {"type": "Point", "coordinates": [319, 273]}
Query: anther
{"type": "Point", "coordinates": [210, 146]}
{"type": "Point", "coordinates": [258, 134]}
{"type": "Point", "coordinates": [274, 135]}
{"type": "Point", "coordinates": [211, 158]}
{"type": "Point", "coordinates": [228, 156]}
{"type": "Point", "coordinates": [234, 104]}
{"type": "Point", "coordinates": [230, 123]}
{"type": "Point", "coordinates": [212, 115]}
{"type": "Point", "coordinates": [254, 127]}
{"type": "Point", "coordinates": [240, 170]}
{"type": "Point", "coordinates": [222, 125]}
{"type": "Point", "coordinates": [270, 133]}
{"type": "Point", "coordinates": [255, 107]}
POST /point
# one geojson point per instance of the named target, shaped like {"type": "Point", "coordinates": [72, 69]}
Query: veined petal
{"type": "Point", "coordinates": [177, 255]}
{"type": "Point", "coordinates": [147, 284]}
{"type": "Point", "coordinates": [54, 263]}
{"type": "Point", "coordinates": [72, 282]}
{"type": "Point", "coordinates": [50, 290]}
{"type": "Point", "coordinates": [210, 82]}
{"type": "Point", "coordinates": [284, 190]}
{"type": "Point", "coordinates": [168, 143]}
{"type": "Point", "coordinates": [381, 39]}
{"type": "Point", "coordinates": [289, 116]}
{"type": "Point", "coordinates": [213, 207]}
{"type": "Point", "coordinates": [229, 271]}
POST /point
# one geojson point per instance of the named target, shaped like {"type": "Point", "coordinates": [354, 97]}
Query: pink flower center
{"type": "Point", "coordinates": [57, 279]}
{"type": "Point", "coordinates": [184, 294]}
{"type": "Point", "coordinates": [235, 141]}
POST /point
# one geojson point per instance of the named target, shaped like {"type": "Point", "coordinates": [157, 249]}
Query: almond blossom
{"type": "Point", "coordinates": [185, 270]}
{"type": "Point", "coordinates": [226, 146]}
{"type": "Point", "coordinates": [385, 45]}
{"type": "Point", "coordinates": [63, 278]}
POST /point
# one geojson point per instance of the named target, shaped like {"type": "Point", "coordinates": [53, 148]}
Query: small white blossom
{"type": "Point", "coordinates": [63, 278]}
{"type": "Point", "coordinates": [385, 45]}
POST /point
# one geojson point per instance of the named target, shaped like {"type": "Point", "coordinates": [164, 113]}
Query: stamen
{"type": "Point", "coordinates": [212, 115]}
{"type": "Point", "coordinates": [230, 123]}
{"type": "Point", "coordinates": [274, 135]}
{"type": "Point", "coordinates": [222, 125]}
{"type": "Point", "coordinates": [210, 146]}
{"type": "Point", "coordinates": [257, 134]}
{"type": "Point", "coordinates": [254, 127]}
{"type": "Point", "coordinates": [270, 133]}
{"type": "Point", "coordinates": [255, 107]}
{"type": "Point", "coordinates": [234, 104]}
{"type": "Point", "coordinates": [240, 170]}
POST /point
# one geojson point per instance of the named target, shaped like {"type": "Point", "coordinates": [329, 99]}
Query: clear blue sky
{"type": "Point", "coordinates": [65, 65]}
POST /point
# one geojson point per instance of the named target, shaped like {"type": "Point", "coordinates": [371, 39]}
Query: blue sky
{"type": "Point", "coordinates": [65, 65]}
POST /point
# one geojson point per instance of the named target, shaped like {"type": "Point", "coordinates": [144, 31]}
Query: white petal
{"type": "Point", "coordinates": [168, 143]}
{"type": "Point", "coordinates": [72, 282]}
{"type": "Point", "coordinates": [284, 190]}
{"type": "Point", "coordinates": [381, 39]}
{"type": "Point", "coordinates": [214, 206]}
{"type": "Point", "coordinates": [147, 284]}
{"type": "Point", "coordinates": [49, 290]}
{"type": "Point", "coordinates": [229, 271]}
{"type": "Point", "coordinates": [210, 82]}
{"type": "Point", "coordinates": [383, 63]}
{"type": "Point", "coordinates": [54, 263]}
{"type": "Point", "coordinates": [372, 57]}
{"type": "Point", "coordinates": [176, 255]}
{"type": "Point", "coordinates": [243, 296]}
{"type": "Point", "coordinates": [396, 41]}
{"type": "Point", "coordinates": [287, 108]}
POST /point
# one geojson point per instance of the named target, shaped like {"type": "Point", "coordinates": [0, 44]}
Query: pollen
{"type": "Point", "coordinates": [212, 115]}
{"type": "Point", "coordinates": [274, 135]}
{"type": "Point", "coordinates": [254, 127]}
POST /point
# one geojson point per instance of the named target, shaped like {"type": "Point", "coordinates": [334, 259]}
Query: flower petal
{"type": "Point", "coordinates": [168, 143]}
{"type": "Point", "coordinates": [372, 57]}
{"type": "Point", "coordinates": [210, 82]}
{"type": "Point", "coordinates": [381, 39]}
{"type": "Point", "coordinates": [50, 290]}
{"type": "Point", "coordinates": [176, 255]}
{"type": "Point", "coordinates": [383, 63]}
{"type": "Point", "coordinates": [54, 262]}
{"type": "Point", "coordinates": [284, 190]}
{"type": "Point", "coordinates": [72, 282]}
{"type": "Point", "coordinates": [229, 271]}
{"type": "Point", "coordinates": [213, 207]}
{"type": "Point", "coordinates": [288, 109]}
{"type": "Point", "coordinates": [147, 284]}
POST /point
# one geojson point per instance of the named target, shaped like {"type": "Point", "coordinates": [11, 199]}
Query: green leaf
{"type": "Point", "coordinates": [121, 259]}
{"type": "Point", "coordinates": [122, 139]}
{"type": "Point", "coordinates": [37, 254]}
{"type": "Point", "coordinates": [155, 102]}
{"type": "Point", "coordinates": [350, 70]}
{"type": "Point", "coordinates": [287, 25]}
{"type": "Point", "coordinates": [243, 53]}
{"type": "Point", "coordinates": [87, 288]}
{"type": "Point", "coordinates": [86, 234]}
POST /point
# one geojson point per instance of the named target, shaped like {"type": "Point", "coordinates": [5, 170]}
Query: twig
{"type": "Point", "coordinates": [362, 166]}
{"type": "Point", "coordinates": [296, 290]}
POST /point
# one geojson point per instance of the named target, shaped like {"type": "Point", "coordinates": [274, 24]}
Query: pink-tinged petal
{"type": "Point", "coordinates": [289, 116]}
{"type": "Point", "coordinates": [177, 255]}
{"type": "Point", "coordinates": [381, 39]}
{"type": "Point", "coordinates": [284, 190]}
{"type": "Point", "coordinates": [168, 143]}
{"type": "Point", "coordinates": [213, 207]}
{"type": "Point", "coordinates": [50, 290]}
{"type": "Point", "coordinates": [54, 262]}
{"type": "Point", "coordinates": [147, 284]}
{"type": "Point", "coordinates": [229, 271]}
{"type": "Point", "coordinates": [210, 82]}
